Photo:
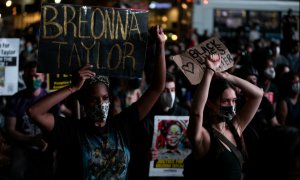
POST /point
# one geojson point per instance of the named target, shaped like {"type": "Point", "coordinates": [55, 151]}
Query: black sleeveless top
{"type": "Point", "coordinates": [218, 163]}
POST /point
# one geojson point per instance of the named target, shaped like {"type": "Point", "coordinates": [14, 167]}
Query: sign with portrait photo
{"type": "Point", "coordinates": [9, 65]}
{"type": "Point", "coordinates": [192, 61]}
{"type": "Point", "coordinates": [112, 40]}
{"type": "Point", "coordinates": [169, 138]}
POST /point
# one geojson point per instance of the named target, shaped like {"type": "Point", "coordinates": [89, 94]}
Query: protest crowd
{"type": "Point", "coordinates": [241, 123]}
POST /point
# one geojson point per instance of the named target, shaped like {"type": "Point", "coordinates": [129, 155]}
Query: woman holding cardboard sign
{"type": "Point", "coordinates": [217, 149]}
{"type": "Point", "coordinates": [98, 146]}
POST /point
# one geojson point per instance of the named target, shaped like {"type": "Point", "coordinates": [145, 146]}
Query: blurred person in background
{"type": "Point", "coordinates": [276, 56]}
{"type": "Point", "coordinates": [264, 117]}
{"type": "Point", "coordinates": [254, 33]}
{"type": "Point", "coordinates": [288, 109]}
{"type": "Point", "coordinates": [266, 78]}
{"type": "Point", "coordinates": [278, 155]}
{"type": "Point", "coordinates": [31, 159]}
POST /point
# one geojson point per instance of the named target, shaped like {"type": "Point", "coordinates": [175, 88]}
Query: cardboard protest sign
{"type": "Point", "coordinates": [58, 81]}
{"type": "Point", "coordinates": [113, 40]}
{"type": "Point", "coordinates": [192, 61]}
{"type": "Point", "coordinates": [9, 65]}
{"type": "Point", "coordinates": [169, 138]}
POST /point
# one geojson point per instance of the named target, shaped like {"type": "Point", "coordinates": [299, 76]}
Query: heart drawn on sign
{"type": "Point", "coordinates": [189, 67]}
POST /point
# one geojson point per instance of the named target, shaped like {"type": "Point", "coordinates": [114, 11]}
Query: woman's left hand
{"type": "Point", "coordinates": [213, 62]}
{"type": "Point", "coordinates": [82, 74]}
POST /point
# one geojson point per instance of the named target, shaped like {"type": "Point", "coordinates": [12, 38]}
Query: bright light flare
{"type": "Point", "coordinates": [8, 3]}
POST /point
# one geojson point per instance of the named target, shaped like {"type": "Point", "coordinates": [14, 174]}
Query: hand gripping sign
{"type": "Point", "coordinates": [192, 61]}
{"type": "Point", "coordinates": [112, 40]}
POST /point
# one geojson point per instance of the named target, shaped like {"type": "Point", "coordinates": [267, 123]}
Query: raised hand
{"type": "Point", "coordinates": [158, 33]}
{"type": "Point", "coordinates": [213, 62]}
{"type": "Point", "coordinates": [83, 74]}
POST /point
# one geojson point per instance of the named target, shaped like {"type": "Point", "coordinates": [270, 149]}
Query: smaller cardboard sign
{"type": "Point", "coordinates": [170, 139]}
{"type": "Point", "coordinates": [58, 81]}
{"type": "Point", "coordinates": [192, 61]}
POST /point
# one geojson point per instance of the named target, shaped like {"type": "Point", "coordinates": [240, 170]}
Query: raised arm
{"type": "Point", "coordinates": [196, 133]}
{"type": "Point", "coordinates": [148, 99]}
{"type": "Point", "coordinates": [39, 111]}
{"type": "Point", "coordinates": [253, 98]}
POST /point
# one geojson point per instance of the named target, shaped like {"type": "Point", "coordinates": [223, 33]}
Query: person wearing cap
{"type": "Point", "coordinates": [98, 146]}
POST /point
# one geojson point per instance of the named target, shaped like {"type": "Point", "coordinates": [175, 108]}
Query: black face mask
{"type": "Point", "coordinates": [227, 112]}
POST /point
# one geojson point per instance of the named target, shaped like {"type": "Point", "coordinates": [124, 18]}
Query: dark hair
{"type": "Point", "coordinates": [217, 87]}
{"type": "Point", "coordinates": [286, 82]}
{"type": "Point", "coordinates": [277, 154]}
{"type": "Point", "coordinates": [170, 77]}
{"type": "Point", "coordinates": [30, 64]}
{"type": "Point", "coordinates": [98, 79]}
{"type": "Point", "coordinates": [134, 83]}
{"type": "Point", "coordinates": [280, 68]}
{"type": "Point", "coordinates": [248, 71]}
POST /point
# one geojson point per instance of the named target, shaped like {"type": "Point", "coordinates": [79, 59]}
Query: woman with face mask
{"type": "Point", "coordinates": [77, 142]}
{"type": "Point", "coordinates": [288, 110]}
{"type": "Point", "coordinates": [217, 149]}
{"type": "Point", "coordinates": [267, 82]}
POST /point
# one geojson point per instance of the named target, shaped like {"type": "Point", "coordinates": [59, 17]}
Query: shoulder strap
{"type": "Point", "coordinates": [235, 151]}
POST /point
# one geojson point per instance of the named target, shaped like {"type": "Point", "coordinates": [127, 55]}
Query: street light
{"type": "Point", "coordinates": [8, 3]}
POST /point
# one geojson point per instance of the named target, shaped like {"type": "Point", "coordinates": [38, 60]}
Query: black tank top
{"type": "Point", "coordinates": [218, 163]}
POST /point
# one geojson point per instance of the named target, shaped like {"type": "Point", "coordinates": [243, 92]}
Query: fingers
{"type": "Point", "coordinates": [160, 30]}
{"type": "Point", "coordinates": [154, 153]}
{"type": "Point", "coordinates": [87, 74]}
{"type": "Point", "coordinates": [87, 66]}
{"type": "Point", "coordinates": [85, 71]}
{"type": "Point", "coordinates": [45, 145]}
{"type": "Point", "coordinates": [156, 30]}
{"type": "Point", "coordinates": [214, 58]}
{"type": "Point", "coordinates": [153, 30]}
{"type": "Point", "coordinates": [83, 74]}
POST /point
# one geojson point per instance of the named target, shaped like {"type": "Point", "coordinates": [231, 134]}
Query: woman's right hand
{"type": "Point", "coordinates": [83, 74]}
